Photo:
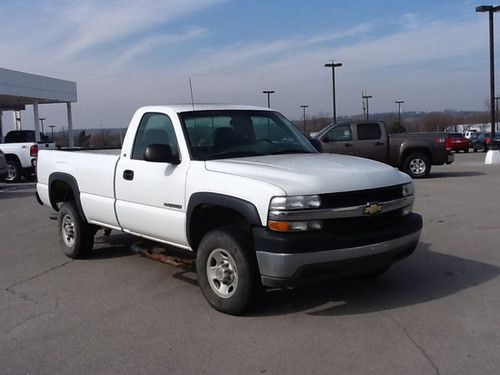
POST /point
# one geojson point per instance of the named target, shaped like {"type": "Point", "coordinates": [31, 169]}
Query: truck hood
{"type": "Point", "coordinates": [312, 173]}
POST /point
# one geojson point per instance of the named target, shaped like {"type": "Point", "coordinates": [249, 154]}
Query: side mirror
{"type": "Point", "coordinates": [316, 144]}
{"type": "Point", "coordinates": [159, 153]}
{"type": "Point", "coordinates": [325, 139]}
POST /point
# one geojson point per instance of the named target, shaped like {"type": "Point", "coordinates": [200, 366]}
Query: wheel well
{"type": "Point", "coordinates": [12, 157]}
{"type": "Point", "coordinates": [410, 151]}
{"type": "Point", "coordinates": [60, 191]}
{"type": "Point", "coordinates": [206, 217]}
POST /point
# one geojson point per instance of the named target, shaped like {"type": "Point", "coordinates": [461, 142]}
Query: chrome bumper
{"type": "Point", "coordinates": [285, 266]}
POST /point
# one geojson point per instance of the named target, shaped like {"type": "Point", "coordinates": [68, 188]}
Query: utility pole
{"type": "Point", "coordinates": [268, 92]}
{"type": "Point", "coordinates": [399, 102]}
{"type": "Point", "coordinates": [366, 97]}
{"type": "Point", "coordinates": [333, 65]}
{"type": "Point", "coordinates": [304, 109]}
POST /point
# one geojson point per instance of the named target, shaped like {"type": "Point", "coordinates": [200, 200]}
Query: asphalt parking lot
{"type": "Point", "coordinates": [435, 312]}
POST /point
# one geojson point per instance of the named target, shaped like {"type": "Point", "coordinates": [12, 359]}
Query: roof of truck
{"type": "Point", "coordinates": [207, 107]}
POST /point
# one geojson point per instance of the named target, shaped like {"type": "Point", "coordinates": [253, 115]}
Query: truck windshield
{"type": "Point", "coordinates": [224, 134]}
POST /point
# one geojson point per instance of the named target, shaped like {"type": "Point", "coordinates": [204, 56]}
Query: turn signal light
{"type": "Point", "coordinates": [294, 226]}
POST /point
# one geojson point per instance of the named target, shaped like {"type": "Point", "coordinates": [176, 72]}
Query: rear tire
{"type": "Point", "coordinates": [226, 269]}
{"type": "Point", "coordinates": [14, 171]}
{"type": "Point", "coordinates": [417, 165]}
{"type": "Point", "coordinates": [76, 236]}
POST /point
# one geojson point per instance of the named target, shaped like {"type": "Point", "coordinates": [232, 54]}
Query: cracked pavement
{"type": "Point", "coordinates": [436, 312]}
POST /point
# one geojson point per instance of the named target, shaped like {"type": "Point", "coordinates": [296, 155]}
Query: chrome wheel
{"type": "Point", "coordinates": [11, 173]}
{"type": "Point", "coordinates": [68, 230]}
{"type": "Point", "coordinates": [417, 166]}
{"type": "Point", "coordinates": [222, 273]}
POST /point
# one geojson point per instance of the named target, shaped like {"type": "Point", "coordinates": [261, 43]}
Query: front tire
{"type": "Point", "coordinates": [417, 165]}
{"type": "Point", "coordinates": [76, 236]}
{"type": "Point", "coordinates": [226, 270]}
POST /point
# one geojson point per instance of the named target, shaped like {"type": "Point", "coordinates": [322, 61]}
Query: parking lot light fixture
{"type": "Point", "coordinates": [367, 97]}
{"type": "Point", "coordinates": [268, 93]}
{"type": "Point", "coordinates": [399, 102]}
{"type": "Point", "coordinates": [333, 65]}
{"type": "Point", "coordinates": [491, 157]}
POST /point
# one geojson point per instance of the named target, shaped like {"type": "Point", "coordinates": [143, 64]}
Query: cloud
{"type": "Point", "coordinates": [155, 41]}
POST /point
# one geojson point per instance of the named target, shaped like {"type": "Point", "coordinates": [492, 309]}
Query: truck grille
{"type": "Point", "coordinates": [361, 197]}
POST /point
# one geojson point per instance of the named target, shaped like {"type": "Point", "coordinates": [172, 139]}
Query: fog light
{"type": "Point", "coordinates": [406, 210]}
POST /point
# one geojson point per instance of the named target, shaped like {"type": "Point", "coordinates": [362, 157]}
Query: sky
{"type": "Point", "coordinates": [127, 53]}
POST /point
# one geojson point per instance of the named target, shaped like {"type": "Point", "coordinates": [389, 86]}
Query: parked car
{"type": "Point", "coordinates": [413, 153]}
{"type": "Point", "coordinates": [242, 188]}
{"type": "Point", "coordinates": [21, 151]}
{"type": "Point", "coordinates": [483, 141]}
{"type": "Point", "coordinates": [457, 142]}
{"type": "Point", "coordinates": [3, 166]}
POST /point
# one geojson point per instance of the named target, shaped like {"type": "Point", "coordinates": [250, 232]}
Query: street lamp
{"type": "Point", "coordinates": [333, 66]}
{"type": "Point", "coordinates": [304, 109]}
{"type": "Point", "coordinates": [491, 9]}
{"type": "Point", "coordinates": [268, 92]}
{"type": "Point", "coordinates": [42, 119]}
{"type": "Point", "coordinates": [399, 102]}
{"type": "Point", "coordinates": [366, 97]}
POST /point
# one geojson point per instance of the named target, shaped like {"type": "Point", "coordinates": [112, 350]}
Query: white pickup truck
{"type": "Point", "coordinates": [242, 188]}
{"type": "Point", "coordinates": [21, 150]}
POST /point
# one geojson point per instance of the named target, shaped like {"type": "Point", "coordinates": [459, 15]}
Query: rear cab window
{"type": "Point", "coordinates": [368, 131]}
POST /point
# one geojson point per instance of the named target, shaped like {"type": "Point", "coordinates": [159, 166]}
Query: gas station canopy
{"type": "Point", "coordinates": [19, 89]}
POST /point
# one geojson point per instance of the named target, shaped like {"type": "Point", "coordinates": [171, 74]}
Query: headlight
{"type": "Point", "coordinates": [408, 189]}
{"type": "Point", "coordinates": [297, 202]}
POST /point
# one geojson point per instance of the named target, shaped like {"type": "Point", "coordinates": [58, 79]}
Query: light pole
{"type": "Point", "coordinates": [52, 131]}
{"type": "Point", "coordinates": [367, 106]}
{"type": "Point", "coordinates": [333, 65]}
{"type": "Point", "coordinates": [42, 119]}
{"type": "Point", "coordinates": [399, 102]}
{"type": "Point", "coordinates": [304, 110]}
{"type": "Point", "coordinates": [491, 9]}
{"type": "Point", "coordinates": [268, 92]}
{"type": "Point", "coordinates": [496, 109]}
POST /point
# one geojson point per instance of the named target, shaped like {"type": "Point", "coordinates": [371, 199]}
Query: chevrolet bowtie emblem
{"type": "Point", "coordinates": [372, 209]}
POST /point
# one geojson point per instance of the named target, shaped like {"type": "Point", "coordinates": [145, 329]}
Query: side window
{"type": "Point", "coordinates": [340, 133]}
{"type": "Point", "coordinates": [369, 131]}
{"type": "Point", "coordinates": [154, 128]}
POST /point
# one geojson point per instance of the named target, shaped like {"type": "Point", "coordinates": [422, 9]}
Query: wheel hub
{"type": "Point", "coordinates": [68, 230]}
{"type": "Point", "coordinates": [222, 273]}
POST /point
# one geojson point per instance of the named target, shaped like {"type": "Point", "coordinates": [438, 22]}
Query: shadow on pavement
{"type": "Point", "coordinates": [425, 276]}
{"type": "Point", "coordinates": [113, 246]}
{"type": "Point", "coordinates": [454, 174]}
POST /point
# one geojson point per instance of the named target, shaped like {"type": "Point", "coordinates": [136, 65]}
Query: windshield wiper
{"type": "Point", "coordinates": [290, 151]}
{"type": "Point", "coordinates": [233, 154]}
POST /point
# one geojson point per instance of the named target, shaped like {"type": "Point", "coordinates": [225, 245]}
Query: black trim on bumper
{"type": "Point", "coordinates": [313, 241]}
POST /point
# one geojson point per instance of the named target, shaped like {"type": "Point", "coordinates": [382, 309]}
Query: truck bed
{"type": "Point", "coordinates": [95, 172]}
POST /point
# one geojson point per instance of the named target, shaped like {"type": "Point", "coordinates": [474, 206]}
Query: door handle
{"type": "Point", "coordinates": [128, 174]}
{"type": "Point", "coordinates": [379, 143]}
{"type": "Point", "coordinates": [348, 145]}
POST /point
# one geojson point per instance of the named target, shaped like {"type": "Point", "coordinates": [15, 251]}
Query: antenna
{"type": "Point", "coordinates": [191, 89]}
